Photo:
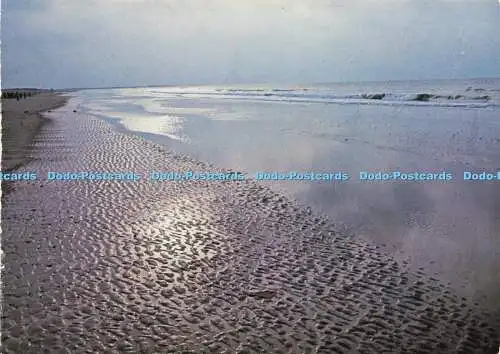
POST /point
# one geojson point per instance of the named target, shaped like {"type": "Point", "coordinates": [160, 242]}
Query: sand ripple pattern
{"type": "Point", "coordinates": [200, 267]}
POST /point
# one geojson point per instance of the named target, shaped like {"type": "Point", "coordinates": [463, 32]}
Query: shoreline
{"type": "Point", "coordinates": [201, 266]}
{"type": "Point", "coordinates": [22, 121]}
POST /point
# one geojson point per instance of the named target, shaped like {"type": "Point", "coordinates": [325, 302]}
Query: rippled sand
{"type": "Point", "coordinates": [200, 266]}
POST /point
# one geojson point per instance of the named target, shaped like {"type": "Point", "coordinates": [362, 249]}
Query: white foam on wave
{"type": "Point", "coordinates": [230, 116]}
{"type": "Point", "coordinates": [329, 95]}
{"type": "Point", "coordinates": [96, 107]}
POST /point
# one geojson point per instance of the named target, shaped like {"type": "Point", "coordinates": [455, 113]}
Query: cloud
{"type": "Point", "coordinates": [128, 42]}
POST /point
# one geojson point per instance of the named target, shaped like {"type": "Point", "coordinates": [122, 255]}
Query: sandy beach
{"type": "Point", "coordinates": [197, 266]}
{"type": "Point", "coordinates": [21, 121]}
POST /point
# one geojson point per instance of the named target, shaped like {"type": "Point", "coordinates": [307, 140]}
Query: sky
{"type": "Point", "coordinates": [103, 43]}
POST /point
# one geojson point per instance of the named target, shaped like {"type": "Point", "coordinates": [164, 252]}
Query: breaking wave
{"type": "Point", "coordinates": [474, 98]}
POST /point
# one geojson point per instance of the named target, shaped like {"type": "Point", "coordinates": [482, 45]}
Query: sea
{"type": "Point", "coordinates": [449, 228]}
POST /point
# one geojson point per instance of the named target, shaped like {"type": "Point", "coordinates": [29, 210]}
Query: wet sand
{"type": "Point", "coordinates": [201, 266]}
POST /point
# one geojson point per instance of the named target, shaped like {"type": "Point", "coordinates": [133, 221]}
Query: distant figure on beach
{"type": "Point", "coordinates": [16, 94]}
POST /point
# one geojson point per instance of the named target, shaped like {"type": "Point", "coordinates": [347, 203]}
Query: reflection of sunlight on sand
{"type": "Point", "coordinates": [170, 126]}
{"type": "Point", "coordinates": [187, 110]}
{"type": "Point", "coordinates": [184, 228]}
{"type": "Point", "coordinates": [158, 106]}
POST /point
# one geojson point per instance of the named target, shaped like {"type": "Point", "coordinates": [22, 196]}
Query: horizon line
{"type": "Point", "coordinates": [72, 89]}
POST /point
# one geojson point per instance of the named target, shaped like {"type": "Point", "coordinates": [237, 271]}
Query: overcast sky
{"type": "Point", "coordinates": [89, 43]}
